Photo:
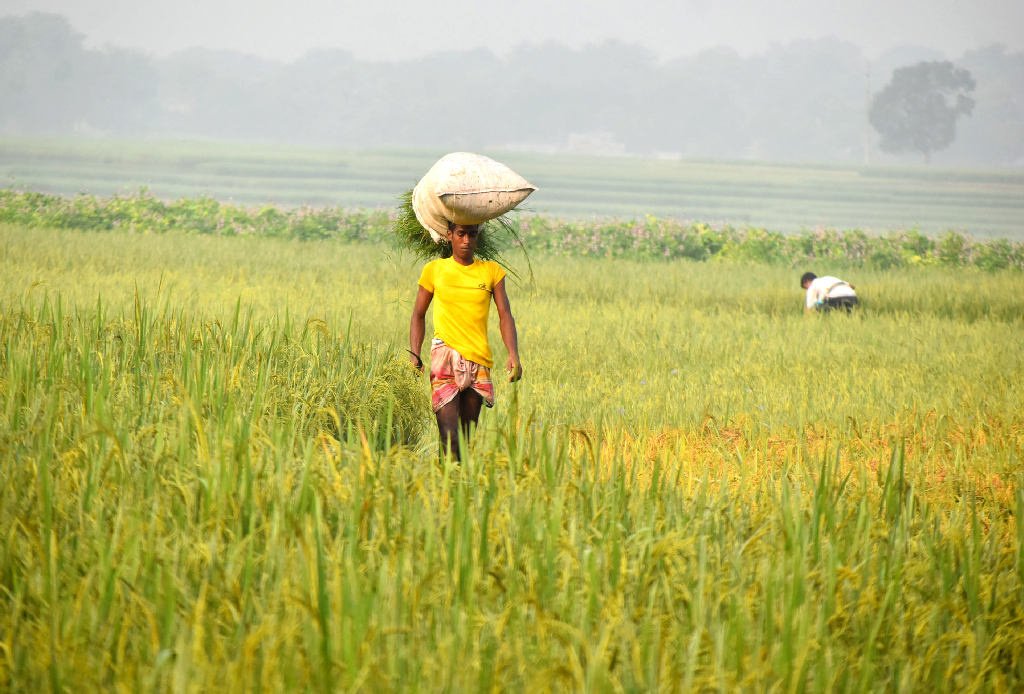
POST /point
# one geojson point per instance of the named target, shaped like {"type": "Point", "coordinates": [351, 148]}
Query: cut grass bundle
{"type": "Point", "coordinates": [495, 237]}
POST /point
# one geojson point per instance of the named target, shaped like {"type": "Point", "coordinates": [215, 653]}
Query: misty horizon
{"type": "Point", "coordinates": [805, 100]}
{"type": "Point", "coordinates": [399, 31]}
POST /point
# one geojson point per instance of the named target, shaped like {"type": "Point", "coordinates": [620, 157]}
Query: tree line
{"type": "Point", "coordinates": [800, 101]}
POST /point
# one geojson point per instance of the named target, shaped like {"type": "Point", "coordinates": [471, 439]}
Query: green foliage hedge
{"type": "Point", "coordinates": [649, 238]}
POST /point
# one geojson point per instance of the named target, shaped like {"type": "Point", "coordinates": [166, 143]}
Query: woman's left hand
{"type": "Point", "coordinates": [513, 369]}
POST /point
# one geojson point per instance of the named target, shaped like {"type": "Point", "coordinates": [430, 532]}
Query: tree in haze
{"type": "Point", "coordinates": [38, 85]}
{"type": "Point", "coordinates": [50, 83]}
{"type": "Point", "coordinates": [917, 110]}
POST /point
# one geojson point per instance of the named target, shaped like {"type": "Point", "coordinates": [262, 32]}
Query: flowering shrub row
{"type": "Point", "coordinates": [140, 212]}
{"type": "Point", "coordinates": [648, 238]}
{"type": "Point", "coordinates": [669, 239]}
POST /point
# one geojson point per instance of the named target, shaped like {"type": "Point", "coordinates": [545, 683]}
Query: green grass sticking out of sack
{"type": "Point", "coordinates": [495, 237]}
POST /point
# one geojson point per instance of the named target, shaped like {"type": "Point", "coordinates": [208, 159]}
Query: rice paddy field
{"type": "Point", "coordinates": [778, 196]}
{"type": "Point", "coordinates": [218, 473]}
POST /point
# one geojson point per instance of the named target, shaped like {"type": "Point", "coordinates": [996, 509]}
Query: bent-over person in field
{"type": "Point", "coordinates": [460, 356]}
{"type": "Point", "coordinates": [827, 293]}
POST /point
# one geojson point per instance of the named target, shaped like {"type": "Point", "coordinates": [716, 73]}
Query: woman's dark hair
{"type": "Point", "coordinates": [807, 277]}
{"type": "Point", "coordinates": [451, 226]}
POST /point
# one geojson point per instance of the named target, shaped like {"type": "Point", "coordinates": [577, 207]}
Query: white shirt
{"type": "Point", "coordinates": [818, 290]}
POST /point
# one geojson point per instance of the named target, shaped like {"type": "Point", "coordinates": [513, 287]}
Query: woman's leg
{"type": "Point", "coordinates": [462, 412]}
{"type": "Point", "coordinates": [469, 410]}
{"type": "Point", "coordinates": [448, 426]}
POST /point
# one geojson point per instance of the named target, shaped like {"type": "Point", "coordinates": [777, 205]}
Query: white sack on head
{"type": "Point", "coordinates": [466, 188]}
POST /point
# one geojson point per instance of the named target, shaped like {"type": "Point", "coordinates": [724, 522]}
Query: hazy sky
{"type": "Point", "coordinates": [401, 29]}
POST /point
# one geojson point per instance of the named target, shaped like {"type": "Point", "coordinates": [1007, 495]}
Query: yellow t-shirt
{"type": "Point", "coordinates": [462, 302]}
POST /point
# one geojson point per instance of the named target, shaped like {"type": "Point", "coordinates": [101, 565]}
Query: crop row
{"type": "Point", "coordinates": [179, 511]}
{"type": "Point", "coordinates": [648, 238]}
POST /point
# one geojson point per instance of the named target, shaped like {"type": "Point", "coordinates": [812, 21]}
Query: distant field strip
{"type": "Point", "coordinates": [785, 197]}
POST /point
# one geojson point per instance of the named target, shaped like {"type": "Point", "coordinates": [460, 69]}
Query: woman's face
{"type": "Point", "coordinates": [463, 239]}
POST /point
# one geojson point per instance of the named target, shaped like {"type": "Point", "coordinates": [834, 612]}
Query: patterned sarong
{"type": "Point", "coordinates": [451, 373]}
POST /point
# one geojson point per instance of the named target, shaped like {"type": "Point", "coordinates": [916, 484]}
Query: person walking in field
{"type": "Point", "coordinates": [827, 293]}
{"type": "Point", "coordinates": [460, 356]}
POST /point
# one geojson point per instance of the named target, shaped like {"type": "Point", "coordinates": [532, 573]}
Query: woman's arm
{"type": "Point", "coordinates": [418, 326]}
{"type": "Point", "coordinates": [508, 332]}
